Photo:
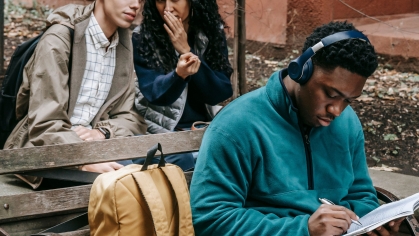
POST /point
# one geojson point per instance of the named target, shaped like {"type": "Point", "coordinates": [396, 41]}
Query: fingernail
{"type": "Point", "coordinates": [357, 217]}
{"type": "Point", "coordinates": [391, 223]}
{"type": "Point", "coordinates": [379, 228]}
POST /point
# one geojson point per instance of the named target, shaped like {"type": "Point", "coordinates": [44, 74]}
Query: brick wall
{"type": "Point", "coordinates": [54, 3]}
{"type": "Point", "coordinates": [289, 21]}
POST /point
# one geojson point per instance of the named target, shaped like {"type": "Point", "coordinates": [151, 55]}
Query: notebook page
{"type": "Point", "coordinates": [386, 212]}
{"type": "Point", "coordinates": [363, 230]}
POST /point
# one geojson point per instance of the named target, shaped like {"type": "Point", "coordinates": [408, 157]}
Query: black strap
{"type": "Point", "coordinates": [150, 155]}
{"type": "Point", "coordinates": [66, 174]}
{"type": "Point", "coordinates": [67, 226]}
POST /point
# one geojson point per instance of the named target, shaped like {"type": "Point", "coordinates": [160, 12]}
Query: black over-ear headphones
{"type": "Point", "coordinates": [301, 69]}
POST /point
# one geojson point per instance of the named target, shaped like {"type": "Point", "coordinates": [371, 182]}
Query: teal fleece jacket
{"type": "Point", "coordinates": [254, 174]}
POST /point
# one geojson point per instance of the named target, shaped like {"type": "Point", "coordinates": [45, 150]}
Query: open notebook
{"type": "Point", "coordinates": [384, 214]}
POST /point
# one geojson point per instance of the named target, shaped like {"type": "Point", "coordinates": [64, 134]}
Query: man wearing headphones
{"type": "Point", "coordinates": [269, 156]}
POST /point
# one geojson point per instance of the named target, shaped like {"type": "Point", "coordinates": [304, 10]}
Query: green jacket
{"type": "Point", "coordinates": [255, 176]}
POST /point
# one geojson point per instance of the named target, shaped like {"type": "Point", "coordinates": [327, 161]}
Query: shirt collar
{"type": "Point", "coordinates": [279, 97]}
{"type": "Point", "coordinates": [98, 37]}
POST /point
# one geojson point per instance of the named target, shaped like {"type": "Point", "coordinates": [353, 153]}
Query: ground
{"type": "Point", "coordinates": [388, 108]}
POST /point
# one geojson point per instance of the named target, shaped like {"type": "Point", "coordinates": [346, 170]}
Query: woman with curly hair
{"type": "Point", "coordinates": [181, 61]}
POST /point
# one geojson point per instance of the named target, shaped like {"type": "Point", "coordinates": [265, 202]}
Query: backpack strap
{"type": "Point", "coordinates": [154, 201]}
{"type": "Point", "coordinates": [178, 182]}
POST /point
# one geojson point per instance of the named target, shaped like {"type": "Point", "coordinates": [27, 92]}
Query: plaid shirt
{"type": "Point", "coordinates": [97, 78]}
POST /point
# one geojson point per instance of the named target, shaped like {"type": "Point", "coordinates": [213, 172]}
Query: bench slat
{"type": "Point", "coordinates": [84, 232]}
{"type": "Point", "coordinates": [49, 202]}
{"type": "Point", "coordinates": [42, 203]}
{"type": "Point", "coordinates": [53, 156]}
{"type": "Point", "coordinates": [35, 225]}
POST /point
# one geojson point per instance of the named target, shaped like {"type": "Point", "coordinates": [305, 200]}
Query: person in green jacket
{"type": "Point", "coordinates": [269, 156]}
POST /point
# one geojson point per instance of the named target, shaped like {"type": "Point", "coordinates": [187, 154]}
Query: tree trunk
{"type": "Point", "coordinates": [241, 54]}
{"type": "Point", "coordinates": [239, 60]}
{"type": "Point", "coordinates": [1, 39]}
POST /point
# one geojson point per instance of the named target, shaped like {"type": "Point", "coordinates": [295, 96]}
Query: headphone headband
{"type": "Point", "coordinates": [301, 68]}
{"type": "Point", "coordinates": [352, 34]}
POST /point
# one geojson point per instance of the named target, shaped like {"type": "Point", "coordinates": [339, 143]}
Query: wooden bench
{"type": "Point", "coordinates": [24, 211]}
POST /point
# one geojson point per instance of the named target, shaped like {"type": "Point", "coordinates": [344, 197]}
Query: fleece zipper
{"type": "Point", "coordinates": [305, 132]}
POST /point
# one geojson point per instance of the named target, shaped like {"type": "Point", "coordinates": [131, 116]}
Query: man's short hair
{"type": "Point", "coordinates": [353, 55]}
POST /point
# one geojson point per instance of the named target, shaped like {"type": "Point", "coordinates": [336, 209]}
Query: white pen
{"type": "Point", "coordinates": [328, 202]}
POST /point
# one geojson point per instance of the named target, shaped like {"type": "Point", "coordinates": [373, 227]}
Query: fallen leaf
{"type": "Point", "coordinates": [12, 34]}
{"type": "Point", "coordinates": [271, 62]}
{"type": "Point", "coordinates": [376, 123]}
{"type": "Point", "coordinates": [365, 98]}
{"type": "Point", "coordinates": [376, 159]}
{"type": "Point", "coordinates": [390, 137]}
{"type": "Point", "coordinates": [388, 98]}
{"type": "Point", "coordinates": [371, 81]}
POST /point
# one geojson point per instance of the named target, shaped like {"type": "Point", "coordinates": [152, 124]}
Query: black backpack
{"type": "Point", "coordinates": [11, 84]}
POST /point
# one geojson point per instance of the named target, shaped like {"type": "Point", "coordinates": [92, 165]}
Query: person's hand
{"type": "Point", "coordinates": [330, 220]}
{"type": "Point", "coordinates": [177, 34]}
{"type": "Point", "coordinates": [392, 228]}
{"type": "Point", "coordinates": [89, 134]}
{"type": "Point", "coordinates": [188, 64]}
{"type": "Point", "coordinates": [102, 167]}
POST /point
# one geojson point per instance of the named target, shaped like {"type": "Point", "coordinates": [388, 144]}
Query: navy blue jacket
{"type": "Point", "coordinates": [207, 86]}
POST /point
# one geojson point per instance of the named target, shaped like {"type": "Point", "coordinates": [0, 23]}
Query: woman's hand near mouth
{"type": "Point", "coordinates": [177, 34]}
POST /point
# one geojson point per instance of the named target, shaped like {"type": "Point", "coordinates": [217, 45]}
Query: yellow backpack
{"type": "Point", "coordinates": [141, 200]}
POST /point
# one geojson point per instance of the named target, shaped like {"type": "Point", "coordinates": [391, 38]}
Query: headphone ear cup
{"type": "Point", "coordinates": [307, 72]}
{"type": "Point", "coordinates": [294, 70]}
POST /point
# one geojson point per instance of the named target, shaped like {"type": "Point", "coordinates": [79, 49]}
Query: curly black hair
{"type": "Point", "coordinates": [156, 48]}
{"type": "Point", "coordinates": [353, 55]}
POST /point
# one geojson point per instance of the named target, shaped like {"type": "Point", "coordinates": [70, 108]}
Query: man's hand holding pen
{"type": "Point", "coordinates": [328, 202]}
{"type": "Point", "coordinates": [330, 220]}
